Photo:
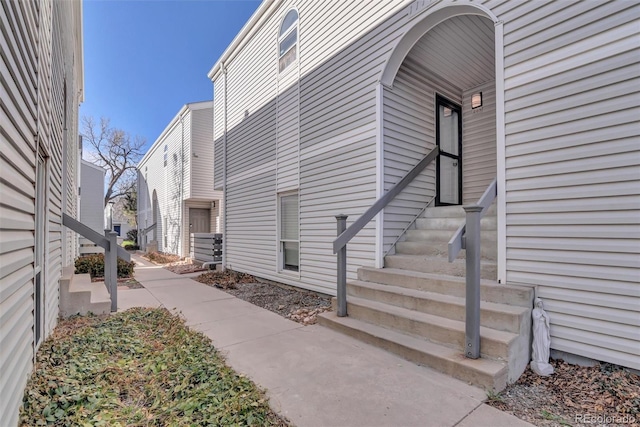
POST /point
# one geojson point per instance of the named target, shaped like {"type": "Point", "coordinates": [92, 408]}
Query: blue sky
{"type": "Point", "coordinates": [145, 59]}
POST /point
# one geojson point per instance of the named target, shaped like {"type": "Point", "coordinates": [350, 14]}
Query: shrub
{"type": "Point", "coordinates": [94, 265]}
{"type": "Point", "coordinates": [132, 235]}
{"type": "Point", "coordinates": [130, 247]}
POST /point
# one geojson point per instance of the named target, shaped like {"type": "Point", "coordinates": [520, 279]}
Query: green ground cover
{"type": "Point", "coordinates": [143, 367]}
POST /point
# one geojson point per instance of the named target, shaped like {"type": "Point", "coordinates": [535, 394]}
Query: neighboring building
{"type": "Point", "coordinates": [321, 107]}
{"type": "Point", "coordinates": [42, 86]}
{"type": "Point", "coordinates": [175, 182]}
{"type": "Point", "coordinates": [91, 203]}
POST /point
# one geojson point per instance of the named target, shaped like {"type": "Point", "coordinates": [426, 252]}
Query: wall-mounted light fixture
{"type": "Point", "coordinates": [476, 100]}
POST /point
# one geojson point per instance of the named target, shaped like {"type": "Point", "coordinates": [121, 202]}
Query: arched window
{"type": "Point", "coordinates": [288, 40]}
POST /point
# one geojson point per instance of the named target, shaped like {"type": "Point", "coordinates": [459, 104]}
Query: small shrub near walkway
{"type": "Point", "coordinates": [142, 367]}
{"type": "Point", "coordinates": [94, 266]}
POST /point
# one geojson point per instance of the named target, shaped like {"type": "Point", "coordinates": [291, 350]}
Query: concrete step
{"type": "Point", "coordinates": [493, 344]}
{"type": "Point", "coordinates": [437, 265]}
{"type": "Point", "coordinates": [489, 290]}
{"type": "Point", "coordinates": [441, 250]}
{"type": "Point", "coordinates": [490, 374]}
{"type": "Point", "coordinates": [488, 251]}
{"type": "Point", "coordinates": [78, 295]}
{"type": "Point", "coordinates": [501, 317]}
{"type": "Point", "coordinates": [453, 212]}
{"type": "Point", "coordinates": [430, 236]}
{"type": "Point", "coordinates": [489, 222]}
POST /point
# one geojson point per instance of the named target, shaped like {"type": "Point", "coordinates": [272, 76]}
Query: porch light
{"type": "Point", "coordinates": [476, 100]}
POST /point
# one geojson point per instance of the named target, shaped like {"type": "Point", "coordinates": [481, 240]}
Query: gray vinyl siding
{"type": "Point", "coordinates": [572, 168]}
{"type": "Point", "coordinates": [39, 43]}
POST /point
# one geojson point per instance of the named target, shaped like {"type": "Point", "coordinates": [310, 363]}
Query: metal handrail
{"type": "Point", "coordinates": [468, 237]}
{"type": "Point", "coordinates": [413, 221]}
{"type": "Point", "coordinates": [346, 234]}
{"type": "Point", "coordinates": [457, 241]}
{"type": "Point", "coordinates": [111, 253]}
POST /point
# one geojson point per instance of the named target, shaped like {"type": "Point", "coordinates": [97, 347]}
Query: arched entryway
{"type": "Point", "coordinates": [439, 88]}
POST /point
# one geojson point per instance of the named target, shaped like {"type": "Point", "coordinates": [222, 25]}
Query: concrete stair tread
{"type": "Point", "coordinates": [438, 297]}
{"type": "Point", "coordinates": [488, 252]}
{"type": "Point", "coordinates": [447, 284]}
{"type": "Point", "coordinates": [457, 326]}
{"type": "Point", "coordinates": [488, 373]}
{"type": "Point", "coordinates": [438, 265]}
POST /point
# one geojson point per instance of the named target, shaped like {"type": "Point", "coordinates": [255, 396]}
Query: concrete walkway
{"type": "Point", "coordinates": [315, 376]}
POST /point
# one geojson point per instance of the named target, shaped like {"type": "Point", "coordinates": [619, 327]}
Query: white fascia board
{"type": "Point", "coordinates": [245, 34]}
{"type": "Point", "coordinates": [183, 111]}
{"type": "Point", "coordinates": [93, 165]}
{"type": "Point", "coordinates": [201, 105]}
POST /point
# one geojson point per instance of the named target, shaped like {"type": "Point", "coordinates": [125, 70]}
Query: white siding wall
{"type": "Point", "coordinates": [478, 143]}
{"type": "Point", "coordinates": [409, 134]}
{"type": "Point", "coordinates": [92, 197]}
{"type": "Point", "coordinates": [571, 76]}
{"type": "Point", "coordinates": [185, 177]}
{"type": "Point", "coordinates": [573, 174]}
{"type": "Point", "coordinates": [202, 161]}
{"type": "Point", "coordinates": [40, 52]}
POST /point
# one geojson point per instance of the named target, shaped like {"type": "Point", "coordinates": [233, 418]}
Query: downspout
{"type": "Point", "coordinates": [182, 189]}
{"type": "Point", "coordinates": [224, 174]}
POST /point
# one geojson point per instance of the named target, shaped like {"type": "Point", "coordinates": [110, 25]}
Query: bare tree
{"type": "Point", "coordinates": [116, 151]}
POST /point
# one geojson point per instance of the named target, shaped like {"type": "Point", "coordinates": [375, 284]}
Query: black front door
{"type": "Point", "coordinates": [449, 163]}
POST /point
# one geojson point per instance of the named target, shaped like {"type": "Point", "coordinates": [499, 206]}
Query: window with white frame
{"type": "Point", "coordinates": [288, 40]}
{"type": "Point", "coordinates": [289, 232]}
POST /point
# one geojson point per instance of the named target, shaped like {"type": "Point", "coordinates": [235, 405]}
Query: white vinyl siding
{"type": "Point", "coordinates": [572, 158]}
{"type": "Point", "coordinates": [478, 143]}
{"type": "Point", "coordinates": [409, 134]}
{"type": "Point", "coordinates": [573, 171]}
{"type": "Point", "coordinates": [202, 159]}
{"type": "Point", "coordinates": [288, 137]}
{"type": "Point", "coordinates": [40, 45]}
{"type": "Point", "coordinates": [92, 197]}
{"type": "Point", "coordinates": [187, 176]}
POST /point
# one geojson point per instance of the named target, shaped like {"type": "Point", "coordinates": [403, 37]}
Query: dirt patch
{"type": "Point", "coordinates": [184, 267]}
{"type": "Point", "coordinates": [126, 282]}
{"type": "Point", "coordinates": [296, 304]}
{"type": "Point", "coordinates": [603, 395]}
{"type": "Point", "coordinates": [160, 258]}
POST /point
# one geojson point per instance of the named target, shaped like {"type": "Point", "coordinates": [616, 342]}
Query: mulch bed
{"type": "Point", "coordinates": [296, 304]}
{"type": "Point", "coordinates": [603, 395]}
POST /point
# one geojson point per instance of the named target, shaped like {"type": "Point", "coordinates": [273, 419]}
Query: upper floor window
{"type": "Point", "coordinates": [288, 40]}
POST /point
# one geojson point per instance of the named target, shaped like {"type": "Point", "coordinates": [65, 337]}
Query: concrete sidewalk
{"type": "Point", "coordinates": [315, 376]}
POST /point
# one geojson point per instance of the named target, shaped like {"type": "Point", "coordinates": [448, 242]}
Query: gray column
{"type": "Point", "coordinates": [472, 247]}
{"type": "Point", "coordinates": [111, 264]}
{"type": "Point", "coordinates": [342, 269]}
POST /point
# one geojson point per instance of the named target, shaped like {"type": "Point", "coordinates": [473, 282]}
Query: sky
{"type": "Point", "coordinates": [145, 59]}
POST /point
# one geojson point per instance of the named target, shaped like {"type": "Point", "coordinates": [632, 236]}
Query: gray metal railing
{"type": "Point", "coordinates": [111, 253]}
{"type": "Point", "coordinates": [346, 234]}
{"type": "Point", "coordinates": [468, 237]}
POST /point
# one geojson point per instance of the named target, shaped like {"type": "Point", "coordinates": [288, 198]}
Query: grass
{"type": "Point", "coordinates": [142, 367]}
{"type": "Point", "coordinates": [128, 242]}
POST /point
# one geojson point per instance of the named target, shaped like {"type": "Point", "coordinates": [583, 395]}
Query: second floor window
{"type": "Point", "coordinates": [288, 40]}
